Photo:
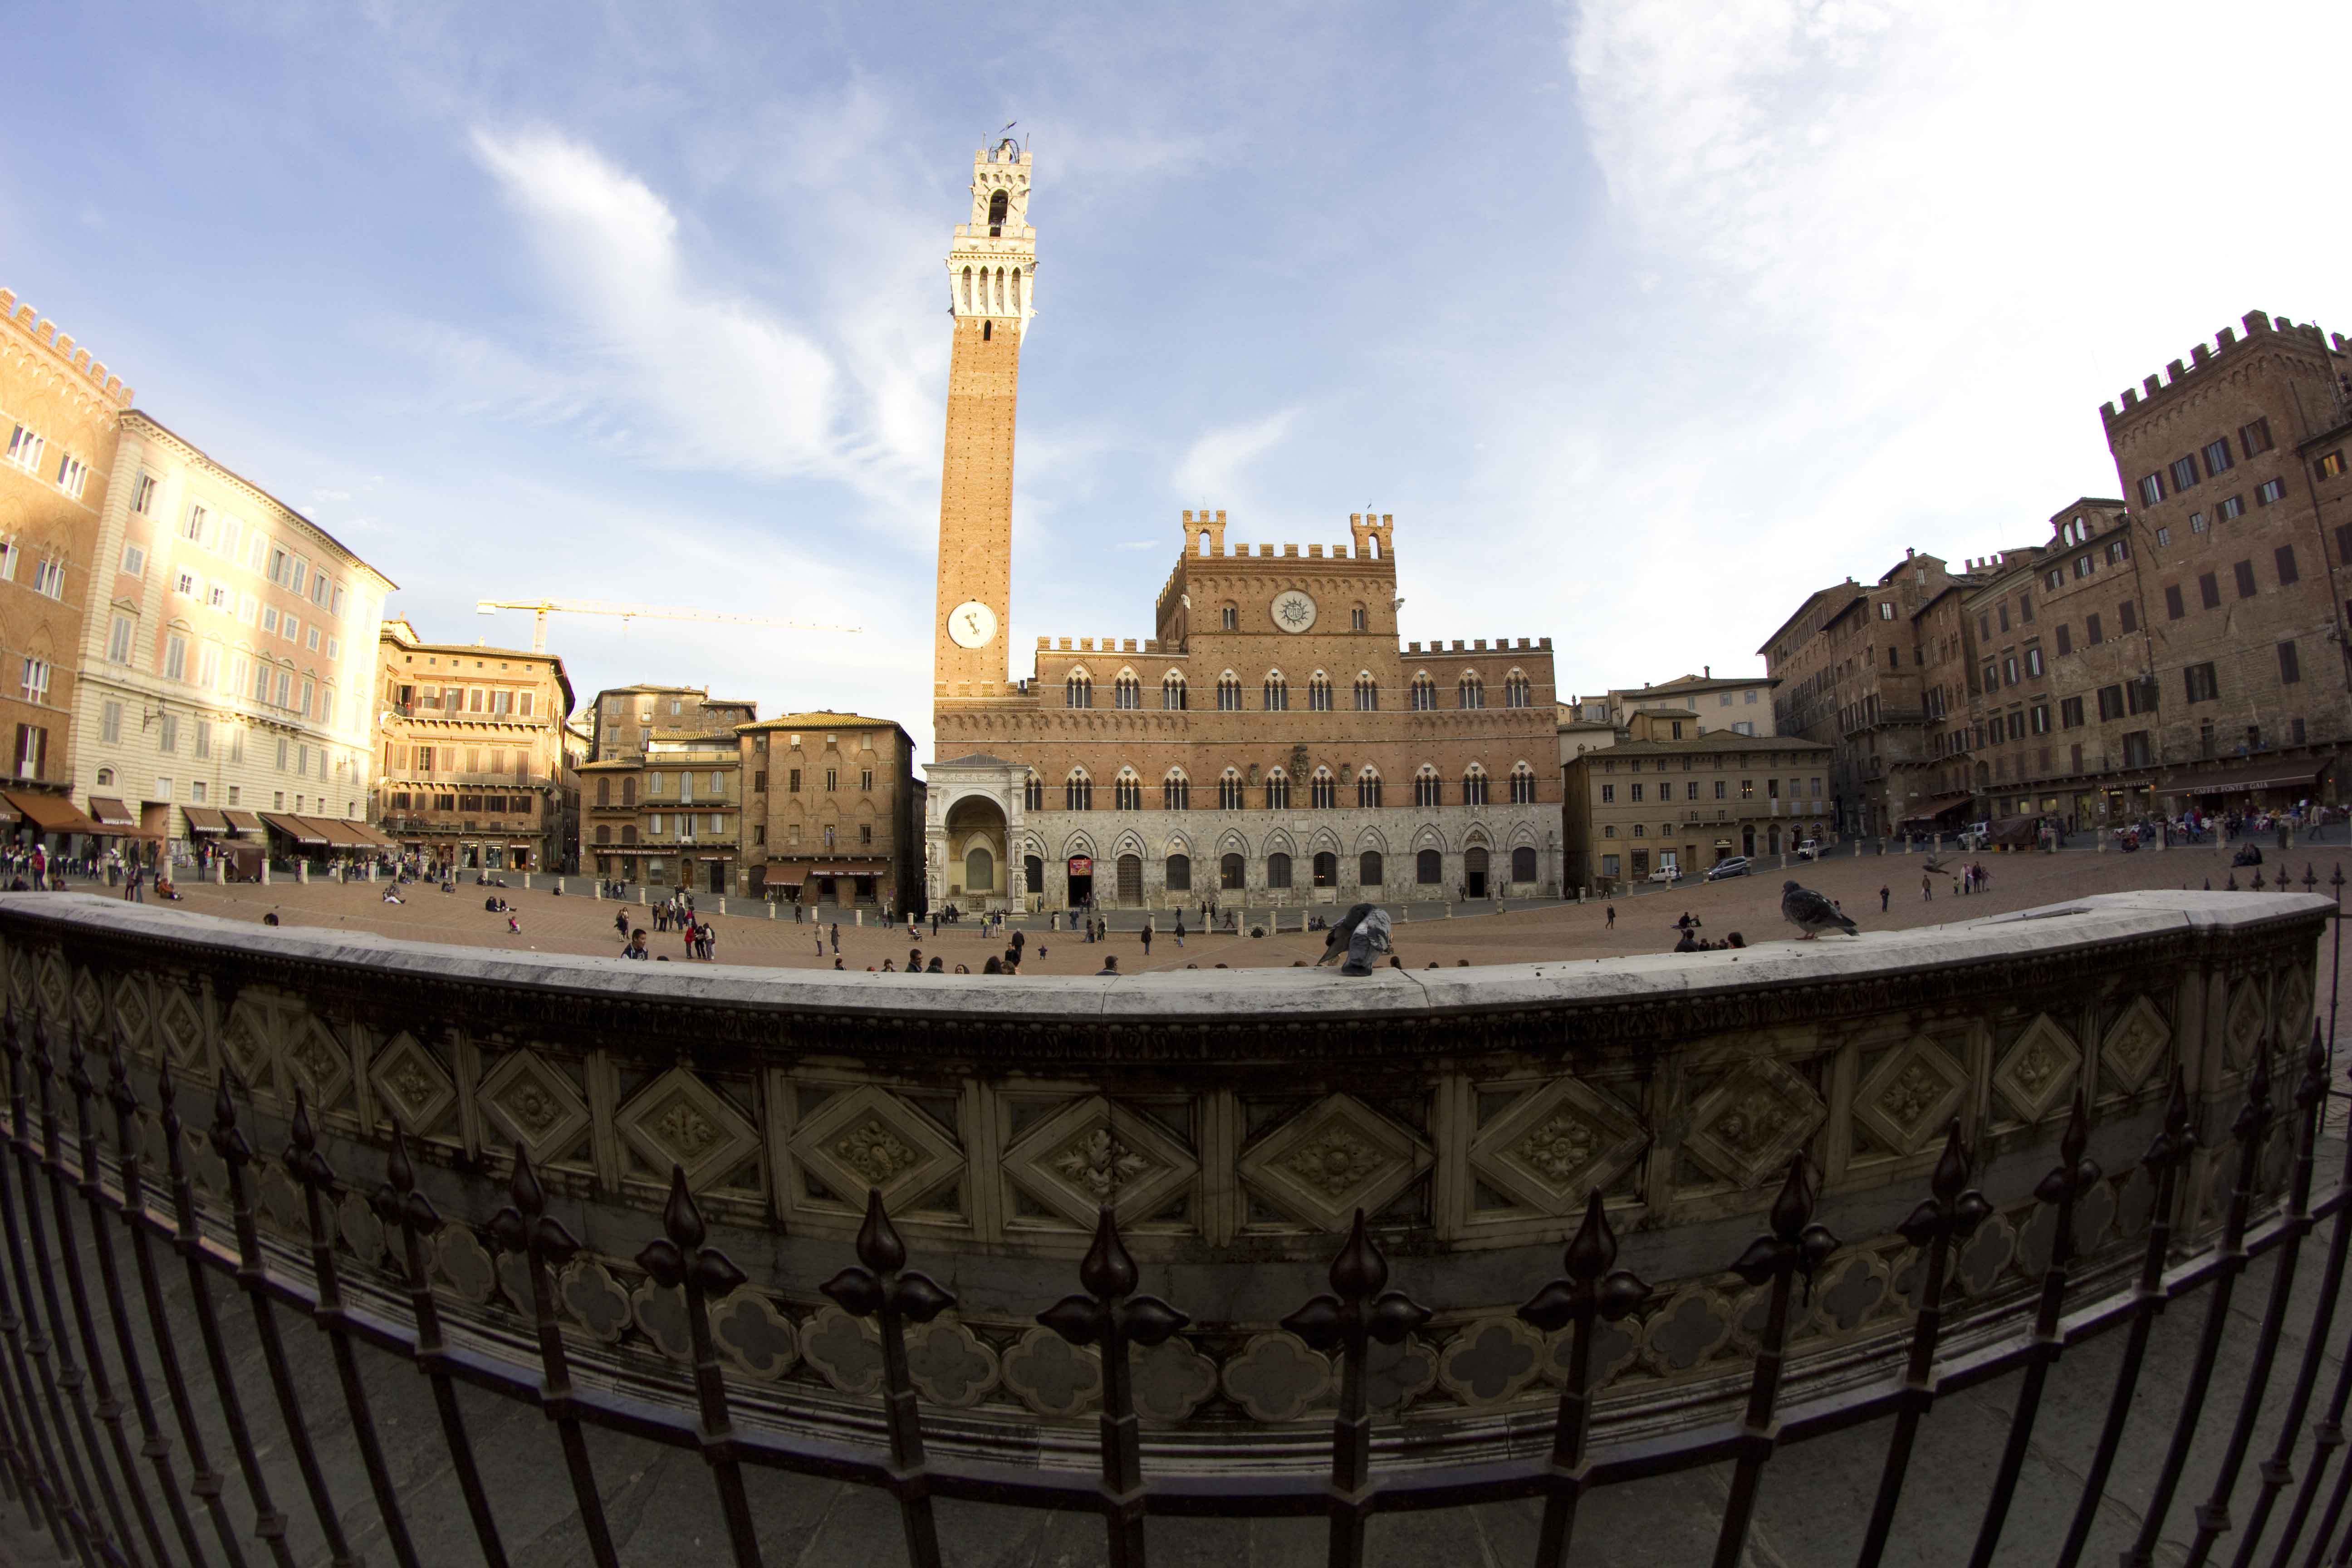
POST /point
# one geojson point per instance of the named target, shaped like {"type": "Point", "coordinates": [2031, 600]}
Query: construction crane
{"type": "Point", "coordinates": [541, 608]}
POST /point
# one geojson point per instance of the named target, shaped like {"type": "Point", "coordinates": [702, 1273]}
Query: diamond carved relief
{"type": "Point", "coordinates": [2292, 1001]}
{"type": "Point", "coordinates": [2135, 1045]}
{"type": "Point", "coordinates": [90, 1002]}
{"type": "Point", "coordinates": [870, 1138]}
{"type": "Point", "coordinates": [2039, 1069]}
{"type": "Point", "coordinates": [534, 1105]}
{"type": "Point", "coordinates": [1555, 1144]}
{"type": "Point", "coordinates": [245, 1041]}
{"type": "Point", "coordinates": [410, 1083]}
{"type": "Point", "coordinates": [2241, 1027]}
{"type": "Point", "coordinates": [1333, 1158]}
{"type": "Point", "coordinates": [1747, 1127]}
{"type": "Point", "coordinates": [1091, 1152]}
{"type": "Point", "coordinates": [131, 1014]}
{"type": "Point", "coordinates": [183, 1030]}
{"type": "Point", "coordinates": [316, 1060]}
{"type": "Point", "coordinates": [1910, 1096]}
{"type": "Point", "coordinates": [678, 1119]}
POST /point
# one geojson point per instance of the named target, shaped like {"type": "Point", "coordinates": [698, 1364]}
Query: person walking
{"type": "Point", "coordinates": [1612, 919]}
{"type": "Point", "coordinates": [1147, 939]}
{"type": "Point", "coordinates": [1180, 931]}
{"type": "Point", "coordinates": [1884, 895]}
{"type": "Point", "coordinates": [1926, 889]}
{"type": "Point", "coordinates": [836, 939]}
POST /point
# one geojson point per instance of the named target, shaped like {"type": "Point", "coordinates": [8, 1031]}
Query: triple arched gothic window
{"type": "Point", "coordinates": [1127, 691]}
{"type": "Point", "coordinates": [1078, 689]}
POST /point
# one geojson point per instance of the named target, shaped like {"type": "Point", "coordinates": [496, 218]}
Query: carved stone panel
{"type": "Point", "coordinates": [679, 1120]}
{"type": "Point", "coordinates": [2036, 1073]}
{"type": "Point", "coordinates": [410, 1084]}
{"type": "Point", "coordinates": [2291, 1002]}
{"type": "Point", "coordinates": [870, 1138]}
{"type": "Point", "coordinates": [1333, 1158]}
{"type": "Point", "coordinates": [1911, 1095]}
{"type": "Point", "coordinates": [2241, 1026]}
{"type": "Point", "coordinates": [316, 1061]}
{"type": "Point", "coordinates": [1091, 1152]}
{"type": "Point", "coordinates": [2135, 1045]}
{"type": "Point", "coordinates": [1555, 1144]}
{"type": "Point", "coordinates": [1747, 1127]}
{"type": "Point", "coordinates": [534, 1105]}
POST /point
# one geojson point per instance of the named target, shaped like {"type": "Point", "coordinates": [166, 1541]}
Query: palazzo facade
{"type": "Point", "coordinates": [1272, 741]}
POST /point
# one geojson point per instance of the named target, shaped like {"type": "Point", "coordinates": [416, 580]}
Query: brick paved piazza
{"type": "Point", "coordinates": [574, 923]}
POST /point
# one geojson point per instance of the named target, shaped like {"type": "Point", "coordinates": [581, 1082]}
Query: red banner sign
{"type": "Point", "coordinates": [1082, 866]}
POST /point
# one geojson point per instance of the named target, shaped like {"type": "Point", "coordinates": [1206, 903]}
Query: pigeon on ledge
{"type": "Point", "coordinates": [1812, 913]}
{"type": "Point", "coordinates": [1361, 932]}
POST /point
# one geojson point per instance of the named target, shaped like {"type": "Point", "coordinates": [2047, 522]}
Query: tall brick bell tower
{"type": "Point", "coordinates": [990, 270]}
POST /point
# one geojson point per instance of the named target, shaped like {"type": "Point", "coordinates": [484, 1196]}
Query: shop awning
{"type": "Point", "coordinates": [294, 827]}
{"type": "Point", "coordinates": [850, 868]}
{"type": "Point", "coordinates": [372, 836]}
{"type": "Point", "coordinates": [112, 813]}
{"type": "Point", "coordinates": [780, 875]}
{"type": "Point", "coordinates": [241, 821]}
{"type": "Point", "coordinates": [1936, 807]}
{"type": "Point", "coordinates": [9, 813]}
{"type": "Point", "coordinates": [205, 819]}
{"type": "Point", "coordinates": [337, 834]}
{"type": "Point", "coordinates": [2281, 773]}
{"type": "Point", "coordinates": [52, 813]}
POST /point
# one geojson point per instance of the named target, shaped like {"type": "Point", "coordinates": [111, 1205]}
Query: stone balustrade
{"type": "Point", "coordinates": [1234, 1120]}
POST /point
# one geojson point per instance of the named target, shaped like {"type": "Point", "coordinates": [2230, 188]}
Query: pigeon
{"type": "Point", "coordinates": [1361, 932]}
{"type": "Point", "coordinates": [1812, 913]}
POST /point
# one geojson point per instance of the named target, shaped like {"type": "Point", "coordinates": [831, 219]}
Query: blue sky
{"type": "Point", "coordinates": [1644, 320]}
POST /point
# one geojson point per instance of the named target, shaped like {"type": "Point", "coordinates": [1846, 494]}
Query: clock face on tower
{"type": "Point", "coordinates": [972, 624]}
{"type": "Point", "coordinates": [1292, 611]}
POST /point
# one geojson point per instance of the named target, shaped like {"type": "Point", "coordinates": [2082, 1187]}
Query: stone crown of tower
{"type": "Point", "coordinates": [992, 263]}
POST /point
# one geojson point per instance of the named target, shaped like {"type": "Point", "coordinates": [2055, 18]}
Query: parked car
{"type": "Point", "coordinates": [1811, 849]}
{"type": "Point", "coordinates": [1733, 866]}
{"type": "Point", "coordinates": [1976, 836]}
{"type": "Point", "coordinates": [1669, 872]}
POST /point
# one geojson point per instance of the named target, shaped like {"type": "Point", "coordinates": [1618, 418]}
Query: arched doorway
{"type": "Point", "coordinates": [1081, 869]}
{"type": "Point", "coordinates": [1130, 880]}
{"type": "Point", "coordinates": [1474, 873]}
{"type": "Point", "coordinates": [975, 829]}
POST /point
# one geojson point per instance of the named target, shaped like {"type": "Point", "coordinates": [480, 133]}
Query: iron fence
{"type": "Point", "coordinates": [85, 1451]}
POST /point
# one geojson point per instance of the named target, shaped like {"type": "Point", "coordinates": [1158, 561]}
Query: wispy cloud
{"type": "Point", "coordinates": [1212, 466]}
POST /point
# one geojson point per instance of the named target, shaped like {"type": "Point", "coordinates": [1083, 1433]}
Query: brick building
{"type": "Point", "coordinates": [58, 411]}
{"type": "Point", "coordinates": [833, 811]}
{"type": "Point", "coordinates": [1271, 740]}
{"type": "Point", "coordinates": [2182, 648]}
{"type": "Point", "coordinates": [662, 790]}
{"type": "Point", "coordinates": [476, 773]}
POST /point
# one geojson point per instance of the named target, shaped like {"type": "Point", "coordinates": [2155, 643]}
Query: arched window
{"type": "Point", "coordinates": [1426, 789]}
{"type": "Point", "coordinates": [1278, 791]}
{"type": "Point", "coordinates": [1360, 619]}
{"type": "Point", "coordinates": [628, 833]}
{"type": "Point", "coordinates": [1277, 693]}
{"type": "Point", "coordinates": [1175, 791]}
{"type": "Point", "coordinates": [1471, 691]}
{"type": "Point", "coordinates": [1127, 791]}
{"type": "Point", "coordinates": [996, 204]}
{"type": "Point", "coordinates": [1127, 691]}
{"type": "Point", "coordinates": [1229, 873]}
{"type": "Point", "coordinates": [1077, 791]}
{"type": "Point", "coordinates": [1326, 869]}
{"type": "Point", "coordinates": [1515, 689]}
{"type": "Point", "coordinates": [967, 289]}
{"type": "Point", "coordinates": [1523, 784]}
{"type": "Point", "coordinates": [1078, 690]}
{"type": "Point", "coordinates": [978, 871]}
{"type": "Point", "coordinates": [1428, 868]}
{"type": "Point", "coordinates": [1180, 873]}
{"type": "Point", "coordinates": [629, 789]}
{"type": "Point", "coordinates": [1474, 785]}
{"type": "Point", "coordinates": [1033, 868]}
{"type": "Point", "coordinates": [1033, 793]}
{"type": "Point", "coordinates": [1171, 692]}
{"type": "Point", "coordinates": [604, 833]}
{"type": "Point", "coordinates": [1523, 863]}
{"type": "Point", "coordinates": [1424, 693]}
{"type": "Point", "coordinates": [106, 776]}
{"type": "Point", "coordinates": [1277, 870]}
{"type": "Point", "coordinates": [1368, 693]}
{"type": "Point", "coordinates": [1229, 693]}
{"type": "Point", "coordinates": [1368, 788]}
{"type": "Point", "coordinates": [1370, 870]}
{"type": "Point", "coordinates": [604, 790]}
{"type": "Point", "coordinates": [1229, 617]}
{"type": "Point", "coordinates": [1318, 693]}
{"type": "Point", "coordinates": [1323, 790]}
{"type": "Point", "coordinates": [1229, 791]}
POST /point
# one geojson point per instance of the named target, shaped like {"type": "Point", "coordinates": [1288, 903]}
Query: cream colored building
{"type": "Point", "coordinates": [228, 654]}
{"type": "Point", "coordinates": [1668, 794]}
